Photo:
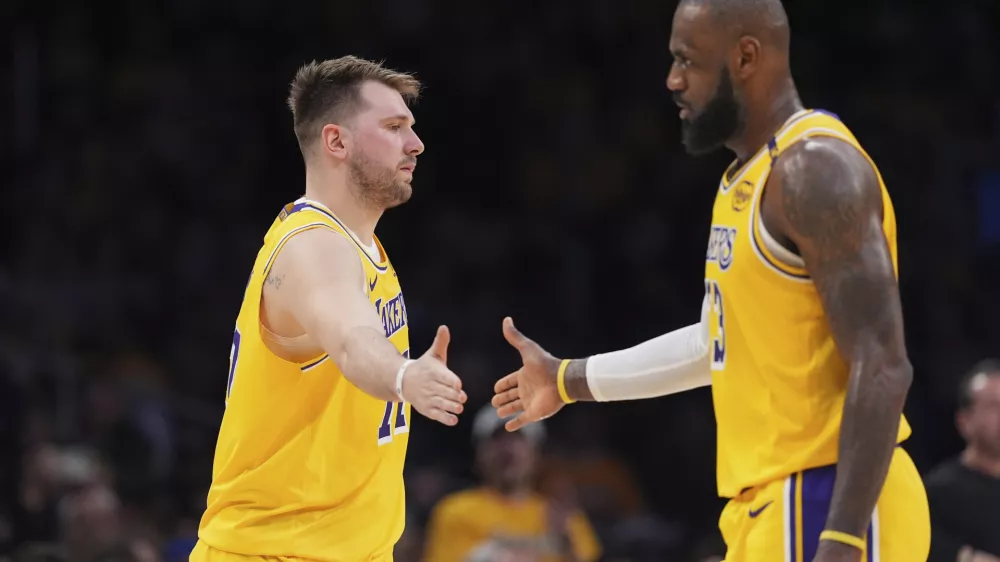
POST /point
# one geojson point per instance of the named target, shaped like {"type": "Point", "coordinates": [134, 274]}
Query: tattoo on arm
{"type": "Point", "coordinates": [576, 381]}
{"type": "Point", "coordinates": [831, 208]}
{"type": "Point", "coordinates": [274, 280]}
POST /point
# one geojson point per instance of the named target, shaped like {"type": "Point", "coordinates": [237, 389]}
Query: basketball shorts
{"type": "Point", "coordinates": [782, 520]}
{"type": "Point", "coordinates": [204, 553]}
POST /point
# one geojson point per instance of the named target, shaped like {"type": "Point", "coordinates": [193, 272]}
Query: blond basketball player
{"type": "Point", "coordinates": [801, 337]}
{"type": "Point", "coordinates": [309, 461]}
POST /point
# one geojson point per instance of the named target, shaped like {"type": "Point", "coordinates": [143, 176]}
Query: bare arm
{"type": "Point", "coordinates": [576, 381]}
{"type": "Point", "coordinates": [825, 198]}
{"type": "Point", "coordinates": [321, 287]}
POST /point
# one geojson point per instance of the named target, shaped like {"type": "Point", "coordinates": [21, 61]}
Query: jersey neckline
{"type": "Point", "coordinates": [303, 204]}
{"type": "Point", "coordinates": [733, 174]}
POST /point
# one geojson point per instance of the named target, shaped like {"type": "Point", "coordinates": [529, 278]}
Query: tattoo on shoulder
{"type": "Point", "coordinates": [274, 280]}
{"type": "Point", "coordinates": [829, 195]}
{"type": "Point", "coordinates": [832, 207]}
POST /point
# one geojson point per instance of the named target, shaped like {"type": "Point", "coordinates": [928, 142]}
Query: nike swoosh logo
{"type": "Point", "coordinates": [755, 513]}
{"type": "Point", "coordinates": [371, 284]}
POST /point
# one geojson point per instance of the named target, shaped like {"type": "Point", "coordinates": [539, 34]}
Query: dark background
{"type": "Point", "coordinates": [145, 148]}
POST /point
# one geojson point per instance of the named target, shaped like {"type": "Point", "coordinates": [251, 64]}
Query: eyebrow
{"type": "Point", "coordinates": [682, 50]}
{"type": "Point", "coordinates": [402, 117]}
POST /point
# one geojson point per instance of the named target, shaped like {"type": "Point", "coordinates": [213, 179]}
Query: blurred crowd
{"type": "Point", "coordinates": [146, 149]}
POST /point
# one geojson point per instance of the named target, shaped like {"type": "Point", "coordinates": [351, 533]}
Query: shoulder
{"type": "Point", "coordinates": [318, 248]}
{"type": "Point", "coordinates": [945, 474]}
{"type": "Point", "coordinates": [320, 238]}
{"type": "Point", "coordinates": [312, 260]}
{"type": "Point", "coordinates": [824, 189]}
{"type": "Point", "coordinates": [824, 170]}
{"type": "Point", "coordinates": [459, 504]}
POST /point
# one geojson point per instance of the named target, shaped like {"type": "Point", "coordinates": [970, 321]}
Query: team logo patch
{"type": "Point", "coordinates": [285, 211]}
{"type": "Point", "coordinates": [742, 195]}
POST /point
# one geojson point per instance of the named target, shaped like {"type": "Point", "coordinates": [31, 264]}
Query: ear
{"type": "Point", "coordinates": [747, 57]}
{"type": "Point", "coordinates": [336, 140]}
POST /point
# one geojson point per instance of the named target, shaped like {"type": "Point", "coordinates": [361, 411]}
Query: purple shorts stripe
{"type": "Point", "coordinates": [817, 494]}
{"type": "Point", "coordinates": [817, 491]}
{"type": "Point", "coordinates": [870, 555]}
{"type": "Point", "coordinates": [792, 530]}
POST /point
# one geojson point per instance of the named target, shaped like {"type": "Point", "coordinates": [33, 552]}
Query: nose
{"type": "Point", "coordinates": [415, 146]}
{"type": "Point", "coordinates": [675, 79]}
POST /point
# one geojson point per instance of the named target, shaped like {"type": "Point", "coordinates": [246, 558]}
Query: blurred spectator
{"type": "Point", "coordinates": [408, 548]}
{"type": "Point", "coordinates": [709, 548]}
{"type": "Point", "coordinates": [504, 519]}
{"type": "Point", "coordinates": [964, 493]}
{"type": "Point", "coordinates": [90, 524]}
{"type": "Point", "coordinates": [149, 147]}
{"type": "Point", "coordinates": [580, 468]}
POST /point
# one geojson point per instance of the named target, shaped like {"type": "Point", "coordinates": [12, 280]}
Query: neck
{"type": "Point", "coordinates": [516, 491]}
{"type": "Point", "coordinates": [980, 461]}
{"type": "Point", "coordinates": [331, 190]}
{"type": "Point", "coordinates": [763, 123]}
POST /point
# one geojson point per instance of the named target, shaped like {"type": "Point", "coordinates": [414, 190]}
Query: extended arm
{"type": "Point", "coordinates": [670, 363]}
{"type": "Point", "coordinates": [825, 198]}
{"type": "Point", "coordinates": [322, 280]}
{"type": "Point", "coordinates": [667, 364]}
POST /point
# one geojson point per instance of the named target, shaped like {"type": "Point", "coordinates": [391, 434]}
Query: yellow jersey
{"type": "Point", "coordinates": [307, 465]}
{"type": "Point", "coordinates": [778, 380]}
{"type": "Point", "coordinates": [465, 521]}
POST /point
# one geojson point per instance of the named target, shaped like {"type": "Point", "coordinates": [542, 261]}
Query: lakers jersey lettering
{"type": "Point", "coordinates": [393, 314]}
{"type": "Point", "coordinates": [778, 380]}
{"type": "Point", "coordinates": [720, 246]}
{"type": "Point", "coordinates": [307, 465]}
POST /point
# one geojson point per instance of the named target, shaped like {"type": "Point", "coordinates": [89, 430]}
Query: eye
{"type": "Point", "coordinates": [395, 127]}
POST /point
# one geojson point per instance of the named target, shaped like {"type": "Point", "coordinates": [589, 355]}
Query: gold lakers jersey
{"type": "Point", "coordinates": [307, 465]}
{"type": "Point", "coordinates": [778, 380]}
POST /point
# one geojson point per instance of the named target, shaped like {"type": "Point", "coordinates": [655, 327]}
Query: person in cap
{"type": "Point", "coordinates": [504, 518]}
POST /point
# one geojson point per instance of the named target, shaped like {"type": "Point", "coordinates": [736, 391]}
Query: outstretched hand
{"type": "Point", "coordinates": [530, 393]}
{"type": "Point", "coordinates": [430, 387]}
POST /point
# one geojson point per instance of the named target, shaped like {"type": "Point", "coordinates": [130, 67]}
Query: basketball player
{"type": "Point", "coordinates": [309, 461]}
{"type": "Point", "coordinates": [801, 337]}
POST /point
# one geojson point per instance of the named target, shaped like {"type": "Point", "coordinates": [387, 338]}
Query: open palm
{"type": "Point", "coordinates": [530, 392]}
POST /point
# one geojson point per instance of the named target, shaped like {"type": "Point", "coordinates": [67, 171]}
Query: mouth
{"type": "Point", "coordinates": [409, 167]}
{"type": "Point", "coordinates": [685, 109]}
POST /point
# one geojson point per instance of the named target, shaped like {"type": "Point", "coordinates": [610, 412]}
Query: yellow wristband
{"type": "Point", "coordinates": [561, 382]}
{"type": "Point", "coordinates": [843, 538]}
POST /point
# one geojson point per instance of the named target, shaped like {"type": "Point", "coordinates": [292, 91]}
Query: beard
{"type": "Point", "coordinates": [375, 185]}
{"type": "Point", "coordinates": [720, 121]}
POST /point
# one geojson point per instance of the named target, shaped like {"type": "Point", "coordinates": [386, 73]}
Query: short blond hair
{"type": "Point", "coordinates": [330, 92]}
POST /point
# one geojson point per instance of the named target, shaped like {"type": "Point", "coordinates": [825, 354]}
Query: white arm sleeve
{"type": "Point", "coordinates": [667, 364]}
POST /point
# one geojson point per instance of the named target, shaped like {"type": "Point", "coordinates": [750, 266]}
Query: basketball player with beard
{"type": "Point", "coordinates": [801, 335]}
{"type": "Point", "coordinates": [309, 460]}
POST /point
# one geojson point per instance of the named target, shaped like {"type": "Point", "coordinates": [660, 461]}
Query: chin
{"type": "Point", "coordinates": [700, 149]}
{"type": "Point", "coordinates": [700, 146]}
{"type": "Point", "coordinates": [403, 193]}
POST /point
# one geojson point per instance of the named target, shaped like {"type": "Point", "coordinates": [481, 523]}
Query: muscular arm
{"type": "Point", "coordinates": [824, 197]}
{"type": "Point", "coordinates": [321, 287]}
